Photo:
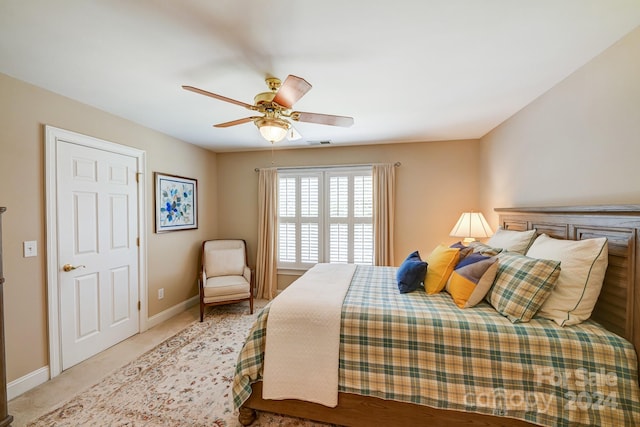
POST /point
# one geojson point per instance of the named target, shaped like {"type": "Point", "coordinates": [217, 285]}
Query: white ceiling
{"type": "Point", "coordinates": [406, 70]}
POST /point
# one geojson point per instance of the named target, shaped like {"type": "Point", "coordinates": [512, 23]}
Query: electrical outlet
{"type": "Point", "coordinates": [30, 248]}
{"type": "Point", "coordinates": [160, 293]}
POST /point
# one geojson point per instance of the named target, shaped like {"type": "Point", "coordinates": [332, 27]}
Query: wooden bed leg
{"type": "Point", "coordinates": [246, 415]}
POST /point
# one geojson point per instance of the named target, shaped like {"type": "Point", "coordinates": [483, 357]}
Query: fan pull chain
{"type": "Point", "coordinates": [272, 160]}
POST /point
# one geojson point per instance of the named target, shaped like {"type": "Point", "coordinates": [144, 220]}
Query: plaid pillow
{"type": "Point", "coordinates": [522, 285]}
{"type": "Point", "coordinates": [481, 248]}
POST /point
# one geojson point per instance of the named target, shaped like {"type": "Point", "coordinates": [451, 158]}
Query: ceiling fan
{"type": "Point", "coordinates": [275, 107]}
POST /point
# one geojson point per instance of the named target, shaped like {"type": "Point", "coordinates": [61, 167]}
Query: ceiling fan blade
{"type": "Point", "coordinates": [235, 122]}
{"type": "Point", "coordinates": [322, 119]}
{"type": "Point", "coordinates": [216, 96]}
{"type": "Point", "coordinates": [291, 91]}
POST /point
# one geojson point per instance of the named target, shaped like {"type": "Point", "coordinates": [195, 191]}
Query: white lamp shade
{"type": "Point", "coordinates": [471, 225]}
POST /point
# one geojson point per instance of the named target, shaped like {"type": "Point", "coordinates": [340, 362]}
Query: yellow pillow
{"type": "Point", "coordinates": [440, 264]}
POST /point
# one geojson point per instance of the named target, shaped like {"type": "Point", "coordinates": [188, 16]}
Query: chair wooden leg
{"type": "Point", "coordinates": [251, 304]}
{"type": "Point", "coordinates": [201, 311]}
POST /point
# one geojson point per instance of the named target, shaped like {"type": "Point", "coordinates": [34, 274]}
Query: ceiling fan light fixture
{"type": "Point", "coordinates": [272, 129]}
{"type": "Point", "coordinates": [275, 105]}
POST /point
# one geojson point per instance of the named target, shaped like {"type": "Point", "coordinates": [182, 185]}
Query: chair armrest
{"type": "Point", "coordinates": [203, 279]}
{"type": "Point", "coordinates": [247, 273]}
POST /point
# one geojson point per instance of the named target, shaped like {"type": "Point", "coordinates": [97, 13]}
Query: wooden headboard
{"type": "Point", "coordinates": [619, 302]}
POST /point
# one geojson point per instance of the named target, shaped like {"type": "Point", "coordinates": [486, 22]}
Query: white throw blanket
{"type": "Point", "coordinates": [303, 336]}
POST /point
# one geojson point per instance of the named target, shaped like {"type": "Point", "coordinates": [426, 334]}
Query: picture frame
{"type": "Point", "coordinates": [176, 202]}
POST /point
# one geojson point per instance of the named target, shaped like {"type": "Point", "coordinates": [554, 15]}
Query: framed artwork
{"type": "Point", "coordinates": [176, 202]}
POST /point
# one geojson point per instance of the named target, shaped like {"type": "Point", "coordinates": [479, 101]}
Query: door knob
{"type": "Point", "coordinates": [69, 267]}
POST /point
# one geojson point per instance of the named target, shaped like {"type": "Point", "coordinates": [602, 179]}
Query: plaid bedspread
{"type": "Point", "coordinates": [423, 349]}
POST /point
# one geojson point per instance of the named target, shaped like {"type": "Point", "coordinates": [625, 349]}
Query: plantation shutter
{"type": "Point", "coordinates": [287, 223]}
{"type": "Point", "coordinates": [326, 215]}
{"type": "Point", "coordinates": [363, 220]}
{"type": "Point", "coordinates": [310, 218]}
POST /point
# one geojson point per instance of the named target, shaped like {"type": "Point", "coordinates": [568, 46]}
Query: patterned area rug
{"type": "Point", "coordinates": [184, 381]}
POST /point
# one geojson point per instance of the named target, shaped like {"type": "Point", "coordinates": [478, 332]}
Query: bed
{"type": "Point", "coordinates": [617, 303]}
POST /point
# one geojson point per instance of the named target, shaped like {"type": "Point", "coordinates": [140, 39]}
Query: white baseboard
{"type": "Point", "coordinates": [31, 380]}
{"type": "Point", "coordinates": [170, 312]}
{"type": "Point", "coordinates": [40, 376]}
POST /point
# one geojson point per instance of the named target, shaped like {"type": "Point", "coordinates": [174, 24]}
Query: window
{"type": "Point", "coordinates": [325, 215]}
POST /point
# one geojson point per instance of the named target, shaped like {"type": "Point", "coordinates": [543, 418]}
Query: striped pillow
{"type": "Point", "coordinates": [471, 279]}
{"type": "Point", "coordinates": [522, 285]}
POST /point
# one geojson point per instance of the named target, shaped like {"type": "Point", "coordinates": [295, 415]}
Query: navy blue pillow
{"type": "Point", "coordinates": [458, 245]}
{"type": "Point", "coordinates": [464, 250]}
{"type": "Point", "coordinates": [411, 273]}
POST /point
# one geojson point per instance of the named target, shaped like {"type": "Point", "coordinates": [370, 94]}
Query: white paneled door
{"type": "Point", "coordinates": [97, 231]}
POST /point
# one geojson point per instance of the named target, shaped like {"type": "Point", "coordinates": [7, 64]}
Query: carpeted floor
{"type": "Point", "coordinates": [184, 381]}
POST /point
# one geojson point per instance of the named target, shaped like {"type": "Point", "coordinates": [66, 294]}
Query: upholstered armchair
{"type": "Point", "coordinates": [225, 276]}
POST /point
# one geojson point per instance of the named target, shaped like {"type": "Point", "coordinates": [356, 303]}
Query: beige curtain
{"type": "Point", "coordinates": [266, 267]}
{"type": "Point", "coordinates": [384, 177]}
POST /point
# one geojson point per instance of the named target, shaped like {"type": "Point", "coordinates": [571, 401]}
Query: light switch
{"type": "Point", "coordinates": [30, 248]}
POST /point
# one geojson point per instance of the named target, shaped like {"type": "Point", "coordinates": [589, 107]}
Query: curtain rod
{"type": "Point", "coordinates": [396, 164]}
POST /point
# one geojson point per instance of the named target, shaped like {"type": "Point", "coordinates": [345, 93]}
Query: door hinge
{"type": "Point", "coordinates": [139, 306]}
{"type": "Point", "coordinates": [138, 241]}
{"type": "Point", "coordinates": [138, 176]}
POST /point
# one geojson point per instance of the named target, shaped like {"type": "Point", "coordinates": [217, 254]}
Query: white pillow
{"type": "Point", "coordinates": [582, 267]}
{"type": "Point", "coordinates": [514, 241]}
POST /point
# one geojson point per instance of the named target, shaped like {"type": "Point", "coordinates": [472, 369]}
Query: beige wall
{"type": "Point", "coordinates": [172, 257]}
{"type": "Point", "coordinates": [577, 144]}
{"type": "Point", "coordinates": [434, 184]}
